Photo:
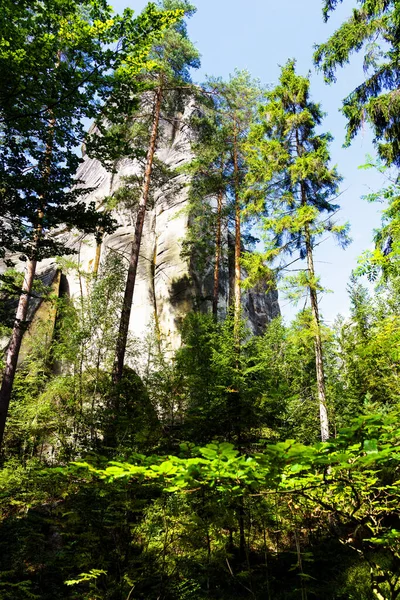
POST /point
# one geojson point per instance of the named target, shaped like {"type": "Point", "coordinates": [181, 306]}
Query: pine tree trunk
{"type": "Point", "coordinates": [217, 256]}
{"type": "Point", "coordinates": [23, 303]}
{"type": "Point", "coordinates": [319, 359]}
{"type": "Point", "coordinates": [97, 256]}
{"type": "Point", "coordinates": [235, 398]}
{"type": "Point", "coordinates": [134, 258]}
{"type": "Point", "coordinates": [237, 305]}
{"type": "Point", "coordinates": [15, 345]}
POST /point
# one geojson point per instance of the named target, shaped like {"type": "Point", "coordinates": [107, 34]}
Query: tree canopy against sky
{"type": "Point", "coordinates": [167, 83]}
{"type": "Point", "coordinates": [57, 68]}
{"type": "Point", "coordinates": [373, 28]}
{"type": "Point", "coordinates": [180, 512]}
{"type": "Point", "coordinates": [296, 189]}
{"type": "Point", "coordinates": [230, 36]}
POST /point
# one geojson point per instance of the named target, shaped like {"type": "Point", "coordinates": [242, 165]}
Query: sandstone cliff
{"type": "Point", "coordinates": [167, 287]}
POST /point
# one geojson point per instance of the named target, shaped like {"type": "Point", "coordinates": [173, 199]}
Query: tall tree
{"type": "Point", "coordinates": [235, 103]}
{"type": "Point", "coordinates": [382, 264]}
{"type": "Point", "coordinates": [289, 164]}
{"type": "Point", "coordinates": [166, 85]}
{"type": "Point", "coordinates": [208, 205]}
{"type": "Point", "coordinates": [59, 73]}
{"type": "Point", "coordinates": [59, 59]}
{"type": "Point", "coordinates": [374, 26]}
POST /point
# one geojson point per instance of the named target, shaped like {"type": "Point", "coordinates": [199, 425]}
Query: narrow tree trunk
{"type": "Point", "coordinates": [23, 304]}
{"type": "Point", "coordinates": [242, 536]}
{"type": "Point", "coordinates": [237, 305]}
{"type": "Point", "coordinates": [319, 359]}
{"type": "Point", "coordinates": [15, 345]}
{"type": "Point", "coordinates": [97, 256]}
{"type": "Point", "coordinates": [217, 255]}
{"type": "Point", "coordinates": [235, 398]}
{"type": "Point", "coordinates": [133, 263]}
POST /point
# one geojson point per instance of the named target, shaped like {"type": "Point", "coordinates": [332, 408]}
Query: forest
{"type": "Point", "coordinates": [165, 434]}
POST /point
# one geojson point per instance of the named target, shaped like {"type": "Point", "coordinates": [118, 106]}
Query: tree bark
{"type": "Point", "coordinates": [134, 258]}
{"type": "Point", "coordinates": [15, 345]}
{"type": "Point", "coordinates": [97, 256]}
{"type": "Point", "coordinates": [236, 398]}
{"type": "Point", "coordinates": [319, 359]}
{"type": "Point", "coordinates": [237, 295]}
{"type": "Point", "coordinates": [23, 303]}
{"type": "Point", "coordinates": [217, 255]}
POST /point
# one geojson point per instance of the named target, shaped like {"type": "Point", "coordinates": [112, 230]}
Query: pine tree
{"type": "Point", "coordinates": [234, 103]}
{"type": "Point", "coordinates": [382, 264]}
{"type": "Point", "coordinates": [289, 164]}
{"type": "Point", "coordinates": [166, 84]}
{"type": "Point", "coordinates": [375, 27]}
{"type": "Point", "coordinates": [208, 204]}
{"type": "Point", "coordinates": [59, 47]}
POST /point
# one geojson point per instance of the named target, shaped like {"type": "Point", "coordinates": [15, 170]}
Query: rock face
{"type": "Point", "coordinates": [166, 288]}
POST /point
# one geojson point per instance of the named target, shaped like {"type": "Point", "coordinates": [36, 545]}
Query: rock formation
{"type": "Point", "coordinates": [167, 287]}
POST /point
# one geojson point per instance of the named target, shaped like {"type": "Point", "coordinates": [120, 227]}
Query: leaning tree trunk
{"type": "Point", "coordinates": [15, 345]}
{"type": "Point", "coordinates": [133, 263]}
{"type": "Point", "coordinates": [218, 240]}
{"type": "Point", "coordinates": [319, 359]}
{"type": "Point", "coordinates": [23, 304]}
{"type": "Point", "coordinates": [30, 271]}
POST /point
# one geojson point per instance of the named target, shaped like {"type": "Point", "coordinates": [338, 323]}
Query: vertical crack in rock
{"type": "Point", "coordinates": [153, 289]}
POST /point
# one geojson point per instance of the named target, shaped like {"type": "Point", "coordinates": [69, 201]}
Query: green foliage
{"type": "Point", "coordinates": [200, 475]}
{"type": "Point", "coordinates": [217, 173]}
{"type": "Point", "coordinates": [381, 264]}
{"type": "Point", "coordinates": [373, 27]}
{"type": "Point", "coordinates": [367, 352]}
{"type": "Point", "coordinates": [201, 504]}
{"type": "Point", "coordinates": [290, 183]}
{"type": "Point", "coordinates": [204, 498]}
{"type": "Point", "coordinates": [346, 480]}
{"type": "Point", "coordinates": [61, 403]}
{"type": "Point", "coordinates": [291, 188]}
{"type": "Point", "coordinates": [126, 119]}
{"type": "Point", "coordinates": [47, 48]}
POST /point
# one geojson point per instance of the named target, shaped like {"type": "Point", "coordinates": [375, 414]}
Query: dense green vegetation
{"type": "Point", "coordinates": [239, 466]}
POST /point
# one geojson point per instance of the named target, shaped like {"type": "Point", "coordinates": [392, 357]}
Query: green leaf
{"type": "Point", "coordinates": [371, 446]}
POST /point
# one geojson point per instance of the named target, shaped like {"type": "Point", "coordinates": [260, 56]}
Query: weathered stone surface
{"type": "Point", "coordinates": [41, 315]}
{"type": "Point", "coordinates": [166, 287]}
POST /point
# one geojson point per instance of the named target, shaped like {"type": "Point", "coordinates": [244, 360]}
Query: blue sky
{"type": "Point", "coordinates": [260, 35]}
